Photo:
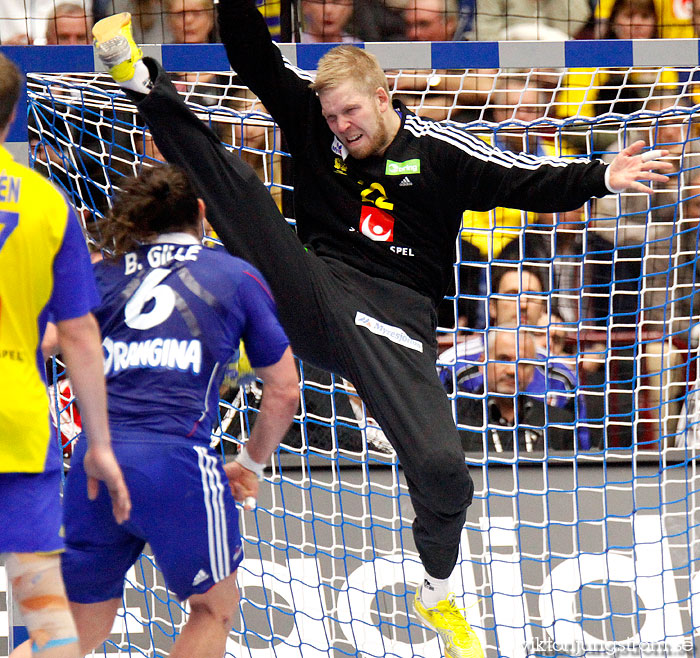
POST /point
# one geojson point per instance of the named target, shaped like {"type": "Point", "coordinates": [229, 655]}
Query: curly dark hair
{"type": "Point", "coordinates": [161, 199]}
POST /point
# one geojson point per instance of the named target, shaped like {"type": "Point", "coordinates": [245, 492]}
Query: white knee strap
{"type": "Point", "coordinates": [38, 589]}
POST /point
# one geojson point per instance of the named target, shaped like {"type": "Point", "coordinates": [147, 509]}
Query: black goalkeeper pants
{"type": "Point", "coordinates": [377, 334]}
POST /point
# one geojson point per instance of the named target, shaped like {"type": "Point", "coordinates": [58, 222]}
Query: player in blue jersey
{"type": "Point", "coordinates": [44, 268]}
{"type": "Point", "coordinates": [172, 315]}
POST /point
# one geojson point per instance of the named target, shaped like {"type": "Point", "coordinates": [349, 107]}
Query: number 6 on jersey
{"type": "Point", "coordinates": [162, 295]}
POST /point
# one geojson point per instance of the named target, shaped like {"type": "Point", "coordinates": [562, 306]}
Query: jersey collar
{"type": "Point", "coordinates": [176, 238]}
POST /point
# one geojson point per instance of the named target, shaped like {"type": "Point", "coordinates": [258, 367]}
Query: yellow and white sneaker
{"type": "Point", "coordinates": [115, 46]}
{"type": "Point", "coordinates": [448, 621]}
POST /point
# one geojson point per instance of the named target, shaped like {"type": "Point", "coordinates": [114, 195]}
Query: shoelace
{"type": "Point", "coordinates": [451, 613]}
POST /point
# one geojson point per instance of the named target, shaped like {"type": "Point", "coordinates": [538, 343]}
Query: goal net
{"type": "Point", "coordinates": [576, 547]}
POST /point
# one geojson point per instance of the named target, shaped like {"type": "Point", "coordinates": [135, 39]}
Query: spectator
{"type": "Point", "coordinates": [671, 294]}
{"type": "Point", "coordinates": [612, 284]}
{"type": "Point", "coordinates": [673, 18]}
{"type": "Point", "coordinates": [497, 19]}
{"type": "Point", "coordinates": [625, 219]}
{"type": "Point", "coordinates": [69, 25]}
{"type": "Point", "coordinates": [625, 92]}
{"type": "Point", "coordinates": [191, 21]}
{"type": "Point", "coordinates": [514, 420]}
{"type": "Point", "coordinates": [25, 23]}
{"type": "Point", "coordinates": [688, 92]}
{"type": "Point", "coordinates": [467, 14]}
{"type": "Point", "coordinates": [270, 9]}
{"type": "Point", "coordinates": [326, 21]}
{"type": "Point", "coordinates": [149, 17]}
{"type": "Point", "coordinates": [568, 239]}
{"type": "Point", "coordinates": [594, 92]}
{"type": "Point", "coordinates": [440, 93]}
{"type": "Point", "coordinates": [520, 298]}
{"type": "Point", "coordinates": [571, 334]}
{"type": "Point", "coordinates": [631, 19]}
{"type": "Point", "coordinates": [431, 20]}
{"type": "Point", "coordinates": [377, 21]}
{"type": "Point", "coordinates": [632, 252]}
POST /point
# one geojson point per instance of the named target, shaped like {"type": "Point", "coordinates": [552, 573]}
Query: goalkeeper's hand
{"type": "Point", "coordinates": [631, 166]}
{"type": "Point", "coordinates": [244, 484]}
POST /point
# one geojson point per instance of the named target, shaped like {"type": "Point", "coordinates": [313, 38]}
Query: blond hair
{"type": "Point", "coordinates": [344, 63]}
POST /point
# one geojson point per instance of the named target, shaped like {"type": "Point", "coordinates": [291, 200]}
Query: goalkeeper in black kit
{"type": "Point", "coordinates": [379, 194]}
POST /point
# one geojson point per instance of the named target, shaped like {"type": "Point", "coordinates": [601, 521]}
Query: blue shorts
{"type": "Point", "coordinates": [181, 505]}
{"type": "Point", "coordinates": [30, 512]}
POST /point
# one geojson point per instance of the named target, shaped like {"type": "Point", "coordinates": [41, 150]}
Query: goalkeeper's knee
{"type": "Point", "coordinates": [38, 589]}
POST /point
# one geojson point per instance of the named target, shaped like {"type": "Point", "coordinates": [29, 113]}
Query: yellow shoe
{"type": "Point", "coordinates": [116, 47]}
{"type": "Point", "coordinates": [448, 621]}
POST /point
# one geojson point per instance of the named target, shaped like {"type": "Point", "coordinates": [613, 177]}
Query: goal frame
{"type": "Point", "coordinates": [428, 56]}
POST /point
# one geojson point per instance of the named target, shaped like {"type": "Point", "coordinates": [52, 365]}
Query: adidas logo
{"type": "Point", "coordinates": [405, 182]}
{"type": "Point", "coordinates": [200, 577]}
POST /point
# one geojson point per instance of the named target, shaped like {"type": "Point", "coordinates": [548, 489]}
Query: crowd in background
{"type": "Point", "coordinates": [606, 293]}
{"type": "Point", "coordinates": [332, 21]}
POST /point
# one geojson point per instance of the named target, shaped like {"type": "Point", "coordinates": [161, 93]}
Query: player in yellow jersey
{"type": "Point", "coordinates": [44, 269]}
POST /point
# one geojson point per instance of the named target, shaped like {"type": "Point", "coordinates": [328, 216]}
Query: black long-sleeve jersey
{"type": "Point", "coordinates": [394, 216]}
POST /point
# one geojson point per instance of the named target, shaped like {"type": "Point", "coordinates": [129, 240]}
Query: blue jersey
{"type": "Point", "coordinates": [172, 317]}
{"type": "Point", "coordinates": [553, 380]}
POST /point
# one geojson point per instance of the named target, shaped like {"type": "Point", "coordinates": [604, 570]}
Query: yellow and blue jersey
{"type": "Point", "coordinates": [44, 269]}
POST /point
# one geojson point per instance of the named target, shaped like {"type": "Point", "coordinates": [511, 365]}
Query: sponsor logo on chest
{"type": "Point", "coordinates": [376, 224]}
{"type": "Point", "coordinates": [402, 168]}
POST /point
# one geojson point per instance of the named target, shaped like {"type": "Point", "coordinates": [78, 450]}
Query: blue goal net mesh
{"type": "Point", "coordinates": [582, 546]}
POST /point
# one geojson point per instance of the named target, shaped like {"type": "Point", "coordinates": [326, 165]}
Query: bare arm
{"type": "Point", "coordinates": [49, 343]}
{"type": "Point", "coordinates": [279, 404]}
{"type": "Point", "coordinates": [80, 344]}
